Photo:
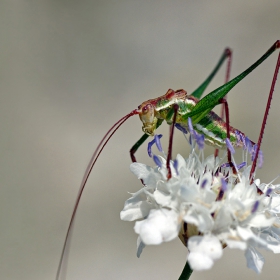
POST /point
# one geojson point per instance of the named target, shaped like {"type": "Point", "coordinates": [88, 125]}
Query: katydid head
{"type": "Point", "coordinates": [147, 116]}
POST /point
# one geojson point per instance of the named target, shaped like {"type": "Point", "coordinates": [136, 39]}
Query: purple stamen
{"type": "Point", "coordinates": [260, 159]}
{"type": "Point", "coordinates": [255, 206]}
{"type": "Point", "coordinates": [203, 184]}
{"type": "Point", "coordinates": [175, 164]}
{"type": "Point", "coordinates": [190, 139]}
{"type": "Point", "coordinates": [181, 128]}
{"type": "Point", "coordinates": [154, 141]}
{"type": "Point", "coordinates": [149, 149]}
{"type": "Point", "coordinates": [238, 136]}
{"type": "Point", "coordinates": [253, 152]}
{"type": "Point", "coordinates": [248, 144]}
{"type": "Point", "coordinates": [268, 192]}
{"type": "Point", "coordinates": [157, 140]}
{"type": "Point", "coordinates": [200, 141]}
{"type": "Point", "coordinates": [229, 146]}
{"type": "Point", "coordinates": [199, 138]}
{"type": "Point", "coordinates": [190, 125]}
{"type": "Point", "coordinates": [224, 185]}
{"type": "Point", "coordinates": [226, 164]}
{"type": "Point", "coordinates": [157, 161]}
{"type": "Point", "coordinates": [241, 165]}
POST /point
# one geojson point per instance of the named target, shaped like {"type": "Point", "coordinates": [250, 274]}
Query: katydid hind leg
{"type": "Point", "coordinates": [228, 68]}
{"type": "Point", "coordinates": [207, 103]}
{"type": "Point", "coordinates": [200, 90]}
{"type": "Point", "coordinates": [265, 117]}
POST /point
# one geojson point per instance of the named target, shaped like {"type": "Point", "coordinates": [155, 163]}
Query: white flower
{"type": "Point", "coordinates": [207, 206]}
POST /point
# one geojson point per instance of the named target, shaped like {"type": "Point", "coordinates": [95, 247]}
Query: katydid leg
{"type": "Point", "coordinates": [226, 54]}
{"type": "Point", "coordinates": [169, 155]}
{"type": "Point", "coordinates": [265, 117]}
{"type": "Point", "coordinates": [136, 146]}
{"type": "Point", "coordinates": [224, 102]}
{"type": "Point", "coordinates": [222, 114]}
{"type": "Point", "coordinates": [208, 102]}
{"type": "Point", "coordinates": [227, 79]}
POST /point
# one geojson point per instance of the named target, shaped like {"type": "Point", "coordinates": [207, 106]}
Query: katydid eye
{"type": "Point", "coordinates": [146, 109]}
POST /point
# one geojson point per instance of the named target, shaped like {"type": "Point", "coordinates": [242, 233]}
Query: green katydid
{"type": "Point", "coordinates": [176, 107]}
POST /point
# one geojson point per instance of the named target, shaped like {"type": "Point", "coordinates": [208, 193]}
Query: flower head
{"type": "Point", "coordinates": [207, 205]}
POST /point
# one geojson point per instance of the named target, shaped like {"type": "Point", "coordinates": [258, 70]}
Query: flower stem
{"type": "Point", "coordinates": [186, 273]}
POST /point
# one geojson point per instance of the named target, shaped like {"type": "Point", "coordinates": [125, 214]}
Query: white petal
{"type": "Point", "coordinates": [201, 217]}
{"type": "Point", "coordinates": [209, 162]}
{"type": "Point", "coordinates": [274, 248]}
{"type": "Point", "coordinates": [140, 170]}
{"type": "Point", "coordinates": [140, 246]}
{"type": "Point", "coordinates": [238, 191]}
{"type": "Point", "coordinates": [275, 204]}
{"type": "Point", "coordinates": [261, 221]}
{"type": "Point", "coordinates": [181, 162]}
{"type": "Point", "coordinates": [145, 172]}
{"type": "Point", "coordinates": [255, 260]}
{"type": "Point", "coordinates": [272, 243]}
{"type": "Point", "coordinates": [136, 211]}
{"type": "Point", "coordinates": [204, 250]}
{"type": "Point", "coordinates": [222, 220]}
{"type": "Point", "coordinates": [247, 235]}
{"type": "Point", "coordinates": [199, 261]}
{"type": "Point", "coordinates": [189, 190]}
{"type": "Point", "coordinates": [161, 225]}
{"type": "Point", "coordinates": [137, 207]}
{"type": "Point", "coordinates": [234, 244]}
{"type": "Point", "coordinates": [162, 198]}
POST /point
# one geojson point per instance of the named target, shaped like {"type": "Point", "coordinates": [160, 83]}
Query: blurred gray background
{"type": "Point", "coordinates": [69, 70]}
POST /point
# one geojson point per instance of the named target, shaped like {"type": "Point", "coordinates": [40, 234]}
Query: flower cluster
{"type": "Point", "coordinates": [207, 205]}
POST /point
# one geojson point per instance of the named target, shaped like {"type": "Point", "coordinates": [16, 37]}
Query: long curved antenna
{"type": "Point", "coordinates": [97, 152]}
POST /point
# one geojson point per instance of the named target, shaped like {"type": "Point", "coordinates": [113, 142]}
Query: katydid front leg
{"type": "Point", "coordinates": [136, 146]}
{"type": "Point", "coordinates": [169, 155]}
